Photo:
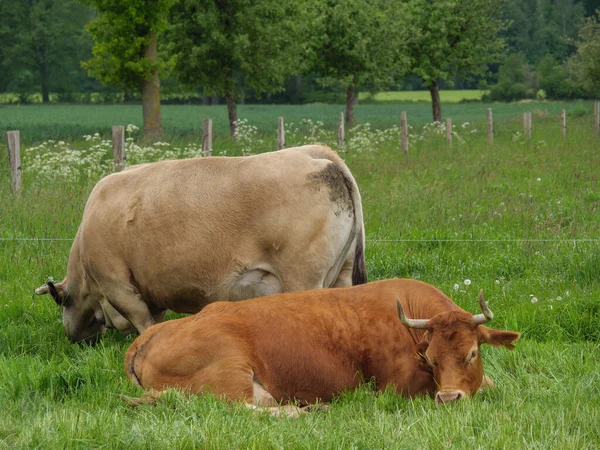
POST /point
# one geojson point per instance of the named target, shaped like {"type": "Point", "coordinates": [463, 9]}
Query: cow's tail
{"type": "Point", "coordinates": [359, 268]}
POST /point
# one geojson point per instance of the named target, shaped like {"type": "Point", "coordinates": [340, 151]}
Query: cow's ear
{"type": "Point", "coordinates": [498, 337]}
{"type": "Point", "coordinates": [57, 292]}
{"type": "Point", "coordinates": [421, 348]}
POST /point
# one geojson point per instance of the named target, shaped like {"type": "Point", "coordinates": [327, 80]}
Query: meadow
{"type": "Point", "coordinates": [518, 219]}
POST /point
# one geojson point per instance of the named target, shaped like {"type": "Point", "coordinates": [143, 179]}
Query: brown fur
{"type": "Point", "coordinates": [311, 346]}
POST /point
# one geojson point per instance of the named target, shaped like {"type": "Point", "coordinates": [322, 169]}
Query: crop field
{"type": "Point", "coordinates": [519, 219]}
{"type": "Point", "coordinates": [38, 123]}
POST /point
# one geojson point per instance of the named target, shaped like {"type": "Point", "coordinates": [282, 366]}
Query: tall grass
{"type": "Point", "coordinates": [518, 219]}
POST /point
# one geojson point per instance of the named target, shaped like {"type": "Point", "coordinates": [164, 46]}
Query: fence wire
{"type": "Point", "coordinates": [376, 240]}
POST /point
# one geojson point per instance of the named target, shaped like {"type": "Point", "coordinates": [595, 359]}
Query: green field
{"type": "Point", "coordinates": [519, 219]}
{"type": "Point", "coordinates": [455, 96]}
{"type": "Point", "coordinates": [40, 122]}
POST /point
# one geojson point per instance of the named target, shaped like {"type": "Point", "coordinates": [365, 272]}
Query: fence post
{"type": "Point", "coordinates": [449, 131]}
{"type": "Point", "coordinates": [280, 134]}
{"type": "Point", "coordinates": [597, 118]}
{"type": "Point", "coordinates": [403, 132]}
{"type": "Point", "coordinates": [14, 159]}
{"type": "Point", "coordinates": [563, 122]}
{"type": "Point", "coordinates": [490, 123]}
{"type": "Point", "coordinates": [207, 137]}
{"type": "Point", "coordinates": [527, 125]}
{"type": "Point", "coordinates": [341, 132]}
{"type": "Point", "coordinates": [118, 144]}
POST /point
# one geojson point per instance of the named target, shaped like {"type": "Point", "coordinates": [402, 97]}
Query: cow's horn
{"type": "Point", "coordinates": [410, 323]}
{"type": "Point", "coordinates": [43, 289]}
{"type": "Point", "coordinates": [487, 315]}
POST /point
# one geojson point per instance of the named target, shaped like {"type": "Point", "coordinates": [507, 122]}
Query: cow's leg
{"type": "Point", "coordinates": [344, 279]}
{"type": "Point", "coordinates": [159, 317]}
{"type": "Point", "coordinates": [129, 303]}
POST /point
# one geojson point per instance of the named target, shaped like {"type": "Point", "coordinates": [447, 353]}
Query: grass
{"type": "Point", "coordinates": [518, 219]}
{"type": "Point", "coordinates": [67, 122]}
{"type": "Point", "coordinates": [454, 96]}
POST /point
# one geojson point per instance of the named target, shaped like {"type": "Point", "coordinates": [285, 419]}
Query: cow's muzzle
{"type": "Point", "coordinates": [448, 396]}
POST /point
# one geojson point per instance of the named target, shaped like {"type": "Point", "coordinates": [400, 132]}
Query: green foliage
{"type": "Point", "coordinates": [455, 38]}
{"type": "Point", "coordinates": [42, 43]}
{"type": "Point", "coordinates": [362, 42]}
{"type": "Point", "coordinates": [121, 32]}
{"type": "Point", "coordinates": [585, 64]}
{"type": "Point", "coordinates": [515, 80]}
{"type": "Point", "coordinates": [226, 45]}
{"type": "Point", "coordinates": [537, 28]}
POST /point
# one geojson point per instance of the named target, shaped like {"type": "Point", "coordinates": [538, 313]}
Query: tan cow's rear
{"type": "Point", "coordinates": [312, 345]}
{"type": "Point", "coordinates": [181, 234]}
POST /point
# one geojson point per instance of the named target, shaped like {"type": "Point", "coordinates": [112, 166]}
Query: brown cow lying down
{"type": "Point", "coordinates": [181, 234]}
{"type": "Point", "coordinates": [307, 347]}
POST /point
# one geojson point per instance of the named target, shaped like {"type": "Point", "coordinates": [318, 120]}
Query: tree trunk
{"type": "Point", "coordinates": [298, 93]}
{"type": "Point", "coordinates": [436, 105]}
{"type": "Point", "coordinates": [350, 102]}
{"type": "Point", "coordinates": [231, 106]}
{"type": "Point", "coordinates": [43, 67]}
{"type": "Point", "coordinates": [45, 88]}
{"type": "Point", "coordinates": [151, 96]}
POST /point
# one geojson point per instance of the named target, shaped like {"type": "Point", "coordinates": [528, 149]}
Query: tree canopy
{"type": "Point", "coordinates": [454, 38]}
{"type": "Point", "coordinates": [362, 45]}
{"type": "Point", "coordinates": [228, 45]}
{"type": "Point", "coordinates": [126, 50]}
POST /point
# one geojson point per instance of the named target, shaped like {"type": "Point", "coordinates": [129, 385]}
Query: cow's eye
{"type": "Point", "coordinates": [472, 356]}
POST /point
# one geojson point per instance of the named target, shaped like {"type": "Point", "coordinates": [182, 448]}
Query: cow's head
{"type": "Point", "coordinates": [450, 348]}
{"type": "Point", "coordinates": [83, 320]}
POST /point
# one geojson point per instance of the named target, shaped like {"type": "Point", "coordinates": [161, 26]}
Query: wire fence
{"type": "Point", "coordinates": [381, 240]}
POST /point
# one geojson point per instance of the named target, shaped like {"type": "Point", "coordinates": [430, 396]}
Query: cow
{"type": "Point", "coordinates": [307, 347]}
{"type": "Point", "coordinates": [178, 235]}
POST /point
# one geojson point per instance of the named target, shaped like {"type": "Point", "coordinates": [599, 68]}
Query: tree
{"type": "Point", "coordinates": [362, 45]}
{"type": "Point", "coordinates": [43, 41]}
{"type": "Point", "coordinates": [584, 66]}
{"type": "Point", "coordinates": [227, 44]}
{"type": "Point", "coordinates": [454, 38]}
{"type": "Point", "coordinates": [538, 28]}
{"type": "Point", "coordinates": [126, 51]}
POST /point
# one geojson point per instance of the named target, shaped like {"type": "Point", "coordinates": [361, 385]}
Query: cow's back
{"type": "Point", "coordinates": [304, 346]}
{"type": "Point", "coordinates": [183, 229]}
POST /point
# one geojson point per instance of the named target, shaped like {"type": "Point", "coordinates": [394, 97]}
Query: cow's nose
{"type": "Point", "coordinates": [448, 396]}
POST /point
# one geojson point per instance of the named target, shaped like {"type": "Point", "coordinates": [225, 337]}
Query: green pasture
{"type": "Point", "coordinates": [67, 122]}
{"type": "Point", "coordinates": [455, 96]}
{"type": "Point", "coordinates": [518, 218]}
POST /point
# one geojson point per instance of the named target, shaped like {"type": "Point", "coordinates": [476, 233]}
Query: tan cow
{"type": "Point", "coordinates": [181, 234]}
{"type": "Point", "coordinates": [307, 347]}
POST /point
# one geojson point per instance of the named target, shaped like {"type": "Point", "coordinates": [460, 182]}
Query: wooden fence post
{"type": "Point", "coordinates": [14, 159]}
{"type": "Point", "coordinates": [341, 132]}
{"type": "Point", "coordinates": [563, 123]}
{"type": "Point", "coordinates": [527, 125]}
{"type": "Point", "coordinates": [280, 134]}
{"type": "Point", "coordinates": [449, 131]}
{"type": "Point", "coordinates": [490, 123]}
{"type": "Point", "coordinates": [207, 137]}
{"type": "Point", "coordinates": [597, 118]}
{"type": "Point", "coordinates": [118, 144]}
{"type": "Point", "coordinates": [403, 132]}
